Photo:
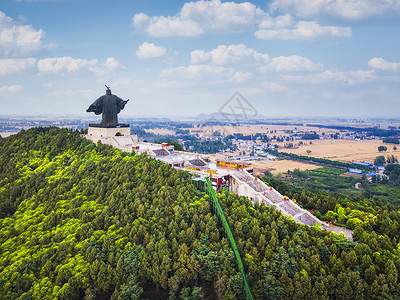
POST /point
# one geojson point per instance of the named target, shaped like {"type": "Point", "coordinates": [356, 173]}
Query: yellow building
{"type": "Point", "coordinates": [200, 168]}
{"type": "Point", "coordinates": [232, 164]}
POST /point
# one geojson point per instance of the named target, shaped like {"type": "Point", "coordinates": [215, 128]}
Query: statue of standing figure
{"type": "Point", "coordinates": [109, 106]}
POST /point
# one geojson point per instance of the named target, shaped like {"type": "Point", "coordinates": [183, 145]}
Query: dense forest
{"type": "Point", "coordinates": [80, 221]}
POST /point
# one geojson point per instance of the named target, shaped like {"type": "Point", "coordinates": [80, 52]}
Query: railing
{"type": "Point", "coordinates": [216, 207]}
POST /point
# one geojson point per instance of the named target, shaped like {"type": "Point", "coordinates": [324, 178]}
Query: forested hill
{"type": "Point", "coordinates": [80, 221]}
{"type": "Point", "coordinates": [84, 221]}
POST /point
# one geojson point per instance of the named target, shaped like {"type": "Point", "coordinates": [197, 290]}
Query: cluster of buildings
{"type": "Point", "coordinates": [378, 170]}
{"type": "Point", "coordinates": [198, 164]}
{"type": "Point", "coordinates": [248, 146]}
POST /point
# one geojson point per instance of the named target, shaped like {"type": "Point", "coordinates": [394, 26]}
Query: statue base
{"type": "Point", "coordinates": [102, 126]}
{"type": "Point", "coordinates": [119, 136]}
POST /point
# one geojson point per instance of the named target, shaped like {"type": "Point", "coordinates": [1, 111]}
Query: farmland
{"type": "Point", "coordinates": [344, 150]}
{"type": "Point", "coordinates": [280, 166]}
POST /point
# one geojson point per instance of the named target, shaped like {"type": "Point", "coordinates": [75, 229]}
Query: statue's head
{"type": "Point", "coordinates": [108, 91]}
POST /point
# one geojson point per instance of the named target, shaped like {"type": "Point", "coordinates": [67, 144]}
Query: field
{"type": "Point", "coordinates": [345, 150]}
{"type": "Point", "coordinates": [280, 129]}
{"type": "Point", "coordinates": [252, 129]}
{"type": "Point", "coordinates": [280, 166]}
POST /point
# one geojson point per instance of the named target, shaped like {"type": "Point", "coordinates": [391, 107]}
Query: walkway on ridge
{"type": "Point", "coordinates": [286, 206]}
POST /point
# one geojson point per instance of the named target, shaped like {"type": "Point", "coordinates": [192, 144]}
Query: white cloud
{"type": "Point", "coordinates": [281, 21]}
{"type": "Point", "coordinates": [240, 77]}
{"type": "Point", "coordinates": [359, 76]}
{"type": "Point", "coordinates": [166, 26]}
{"type": "Point", "coordinates": [350, 9]}
{"type": "Point", "coordinates": [85, 94]}
{"type": "Point", "coordinates": [109, 66]}
{"type": "Point", "coordinates": [196, 18]}
{"type": "Point", "coordinates": [16, 39]}
{"type": "Point", "coordinates": [10, 89]}
{"type": "Point", "coordinates": [329, 76]}
{"type": "Point", "coordinates": [287, 28]}
{"type": "Point", "coordinates": [207, 74]}
{"type": "Point", "coordinates": [149, 50]}
{"type": "Point", "coordinates": [242, 56]}
{"type": "Point", "coordinates": [223, 55]}
{"type": "Point", "coordinates": [9, 66]}
{"type": "Point", "coordinates": [64, 64]}
{"type": "Point", "coordinates": [293, 63]}
{"type": "Point", "coordinates": [273, 87]}
{"type": "Point", "coordinates": [198, 71]}
{"type": "Point", "coordinates": [378, 63]}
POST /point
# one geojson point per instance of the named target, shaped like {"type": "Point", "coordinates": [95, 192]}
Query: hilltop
{"type": "Point", "coordinates": [80, 221]}
{"type": "Point", "coordinates": [85, 221]}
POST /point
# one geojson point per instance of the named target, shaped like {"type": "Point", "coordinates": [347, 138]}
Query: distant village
{"type": "Point", "coordinates": [208, 139]}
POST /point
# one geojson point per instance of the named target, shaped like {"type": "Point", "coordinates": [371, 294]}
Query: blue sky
{"type": "Point", "coordinates": [325, 58]}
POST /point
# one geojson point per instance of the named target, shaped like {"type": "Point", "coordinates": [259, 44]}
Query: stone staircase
{"type": "Point", "coordinates": [244, 184]}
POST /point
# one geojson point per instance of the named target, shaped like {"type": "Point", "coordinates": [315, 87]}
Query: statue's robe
{"type": "Point", "coordinates": [109, 106]}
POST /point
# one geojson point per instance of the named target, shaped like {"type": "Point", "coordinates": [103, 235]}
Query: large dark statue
{"type": "Point", "coordinates": [109, 106]}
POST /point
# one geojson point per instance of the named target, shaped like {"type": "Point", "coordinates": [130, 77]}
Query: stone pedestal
{"type": "Point", "coordinates": [102, 132]}
{"type": "Point", "coordinates": [119, 136]}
